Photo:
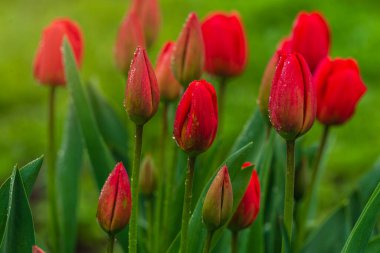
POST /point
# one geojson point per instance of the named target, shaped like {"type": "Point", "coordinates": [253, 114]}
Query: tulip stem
{"type": "Point", "coordinates": [221, 99]}
{"type": "Point", "coordinates": [149, 217]}
{"type": "Point", "coordinates": [135, 190]}
{"type": "Point", "coordinates": [208, 241]}
{"type": "Point", "coordinates": [51, 159]}
{"type": "Point", "coordinates": [289, 190]}
{"type": "Point", "coordinates": [234, 241]}
{"type": "Point", "coordinates": [111, 241]}
{"type": "Point", "coordinates": [186, 211]}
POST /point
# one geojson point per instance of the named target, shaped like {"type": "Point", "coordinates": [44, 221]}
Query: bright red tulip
{"type": "Point", "coordinates": [115, 203]}
{"type": "Point", "coordinates": [141, 94]}
{"type": "Point", "coordinates": [311, 38]}
{"type": "Point", "coordinates": [225, 44]}
{"type": "Point", "coordinates": [249, 206]}
{"type": "Point", "coordinates": [48, 63]}
{"type": "Point", "coordinates": [129, 37]}
{"type": "Point", "coordinates": [292, 102]}
{"type": "Point", "coordinates": [170, 88]}
{"type": "Point", "coordinates": [196, 119]}
{"type": "Point", "coordinates": [339, 88]}
{"type": "Point", "coordinates": [36, 249]}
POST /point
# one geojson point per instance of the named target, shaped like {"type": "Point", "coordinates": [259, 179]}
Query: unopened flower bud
{"type": "Point", "coordinates": [147, 179]}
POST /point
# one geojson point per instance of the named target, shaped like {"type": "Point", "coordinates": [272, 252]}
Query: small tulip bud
{"type": "Point", "coordinates": [339, 89]}
{"type": "Point", "coordinates": [249, 206]}
{"type": "Point", "coordinates": [196, 119]}
{"type": "Point", "coordinates": [188, 55]}
{"type": "Point", "coordinates": [218, 203]}
{"type": "Point", "coordinates": [36, 249]}
{"type": "Point", "coordinates": [129, 37]}
{"type": "Point", "coordinates": [169, 87]}
{"type": "Point", "coordinates": [311, 38]}
{"type": "Point", "coordinates": [147, 179]}
{"type": "Point", "coordinates": [115, 203]}
{"type": "Point", "coordinates": [225, 44]}
{"type": "Point", "coordinates": [292, 102]}
{"type": "Point", "coordinates": [48, 63]}
{"type": "Point", "coordinates": [141, 94]}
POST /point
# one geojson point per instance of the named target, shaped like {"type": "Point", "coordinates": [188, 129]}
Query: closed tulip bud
{"type": "Point", "coordinates": [292, 102]}
{"type": "Point", "coordinates": [188, 55]}
{"type": "Point", "coordinates": [141, 94]}
{"type": "Point", "coordinates": [169, 87]}
{"type": "Point", "coordinates": [48, 63]}
{"type": "Point", "coordinates": [339, 88]}
{"type": "Point", "coordinates": [249, 205]}
{"type": "Point", "coordinates": [196, 119]}
{"type": "Point", "coordinates": [129, 37]}
{"type": "Point", "coordinates": [147, 179]}
{"type": "Point", "coordinates": [217, 206]}
{"type": "Point", "coordinates": [225, 44]}
{"type": "Point", "coordinates": [115, 203]}
{"type": "Point", "coordinates": [311, 38]}
{"type": "Point", "coordinates": [36, 249]}
{"type": "Point", "coordinates": [148, 13]}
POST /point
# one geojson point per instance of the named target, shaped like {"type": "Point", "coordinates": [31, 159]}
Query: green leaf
{"type": "Point", "coordinates": [373, 245]}
{"type": "Point", "coordinates": [68, 170]}
{"type": "Point", "coordinates": [19, 231]}
{"type": "Point", "coordinates": [359, 236]}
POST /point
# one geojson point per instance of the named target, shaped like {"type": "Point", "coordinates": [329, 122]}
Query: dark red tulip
{"type": "Point", "coordinates": [196, 119]}
{"type": "Point", "coordinates": [225, 44]}
{"type": "Point", "coordinates": [249, 206]}
{"type": "Point", "coordinates": [339, 88]}
{"type": "Point", "coordinates": [115, 203]}
{"type": "Point", "coordinates": [292, 102]}
{"type": "Point", "coordinates": [311, 38]}
{"type": "Point", "coordinates": [141, 94]}
{"type": "Point", "coordinates": [48, 63]}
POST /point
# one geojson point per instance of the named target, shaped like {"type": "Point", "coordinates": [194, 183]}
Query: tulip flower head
{"type": "Point", "coordinates": [196, 119]}
{"type": "Point", "coordinates": [115, 203]}
{"type": "Point", "coordinates": [339, 88]}
{"type": "Point", "coordinates": [48, 63]}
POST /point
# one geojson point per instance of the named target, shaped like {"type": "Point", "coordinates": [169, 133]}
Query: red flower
{"type": "Point", "coordinates": [339, 88]}
{"type": "Point", "coordinates": [196, 119]}
{"type": "Point", "coordinates": [48, 63]}
{"type": "Point", "coordinates": [115, 203]}
{"type": "Point", "coordinates": [170, 88]}
{"type": "Point", "coordinates": [311, 38]}
{"type": "Point", "coordinates": [225, 44]}
{"type": "Point", "coordinates": [292, 102]}
{"type": "Point", "coordinates": [36, 249]}
{"type": "Point", "coordinates": [249, 206]}
{"type": "Point", "coordinates": [141, 94]}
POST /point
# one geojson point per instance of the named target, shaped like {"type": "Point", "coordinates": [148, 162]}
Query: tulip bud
{"type": "Point", "coordinates": [141, 94]}
{"type": "Point", "coordinates": [48, 63]}
{"type": "Point", "coordinates": [311, 38]}
{"type": "Point", "coordinates": [339, 88]}
{"type": "Point", "coordinates": [188, 55]}
{"type": "Point", "coordinates": [147, 179]}
{"type": "Point", "coordinates": [169, 87]}
{"type": "Point", "coordinates": [249, 205]}
{"type": "Point", "coordinates": [115, 203]}
{"type": "Point", "coordinates": [196, 119]}
{"type": "Point", "coordinates": [292, 102]}
{"type": "Point", "coordinates": [217, 206]}
{"type": "Point", "coordinates": [129, 37]}
{"type": "Point", "coordinates": [36, 249]}
{"type": "Point", "coordinates": [149, 16]}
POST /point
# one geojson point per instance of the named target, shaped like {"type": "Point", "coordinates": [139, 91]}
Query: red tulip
{"type": "Point", "coordinates": [170, 88]}
{"type": "Point", "coordinates": [311, 38]}
{"type": "Point", "coordinates": [36, 249]}
{"type": "Point", "coordinates": [141, 94]}
{"type": "Point", "coordinates": [225, 44]}
{"type": "Point", "coordinates": [129, 37]}
{"type": "Point", "coordinates": [249, 205]}
{"type": "Point", "coordinates": [196, 119]}
{"type": "Point", "coordinates": [188, 55]}
{"type": "Point", "coordinates": [292, 102]}
{"type": "Point", "coordinates": [115, 203]}
{"type": "Point", "coordinates": [339, 88]}
{"type": "Point", "coordinates": [48, 63]}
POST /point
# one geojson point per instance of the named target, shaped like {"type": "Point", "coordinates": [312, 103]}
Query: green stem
{"type": "Point", "coordinates": [289, 190]}
{"type": "Point", "coordinates": [221, 99]}
{"type": "Point", "coordinates": [207, 246]}
{"type": "Point", "coordinates": [111, 241]}
{"type": "Point", "coordinates": [186, 211]}
{"type": "Point", "coordinates": [149, 214]}
{"type": "Point", "coordinates": [135, 190]}
{"type": "Point", "coordinates": [234, 242]}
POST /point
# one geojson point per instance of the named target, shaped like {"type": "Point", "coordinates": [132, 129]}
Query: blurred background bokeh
{"type": "Point", "coordinates": [354, 147]}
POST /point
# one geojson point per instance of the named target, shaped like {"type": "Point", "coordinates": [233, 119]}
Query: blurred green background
{"type": "Point", "coordinates": [355, 33]}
